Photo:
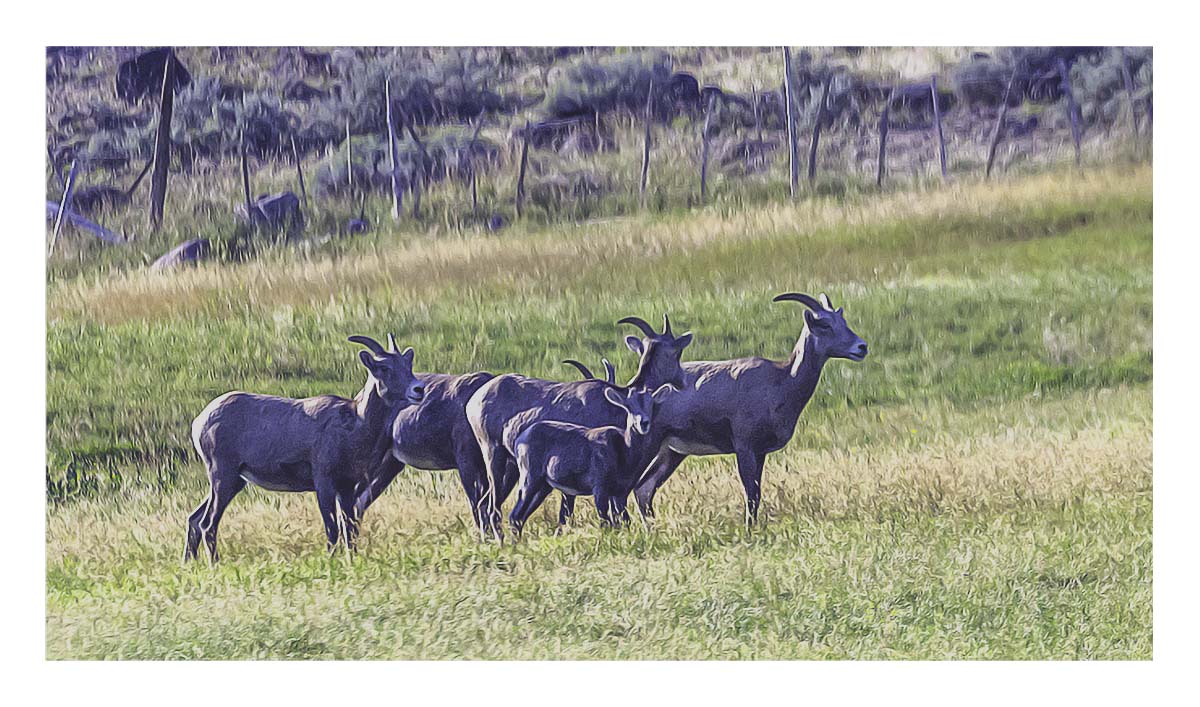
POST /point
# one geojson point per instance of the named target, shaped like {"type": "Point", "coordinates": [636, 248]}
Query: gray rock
{"type": "Point", "coordinates": [276, 211]}
{"type": "Point", "coordinates": [186, 253]}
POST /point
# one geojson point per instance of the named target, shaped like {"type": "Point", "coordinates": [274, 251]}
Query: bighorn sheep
{"type": "Point", "coordinates": [326, 444]}
{"type": "Point", "coordinates": [603, 462]}
{"type": "Point", "coordinates": [435, 435]}
{"type": "Point", "coordinates": [748, 406]}
{"type": "Point", "coordinates": [504, 406]}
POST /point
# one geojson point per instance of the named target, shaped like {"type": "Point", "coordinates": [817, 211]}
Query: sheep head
{"type": "Point", "coordinates": [828, 332]}
{"type": "Point", "coordinates": [391, 370]}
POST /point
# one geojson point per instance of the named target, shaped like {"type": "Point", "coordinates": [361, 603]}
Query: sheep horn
{"type": "Point", "coordinates": [640, 324]}
{"type": "Point", "coordinates": [369, 343]}
{"type": "Point", "coordinates": [801, 298]}
{"type": "Point", "coordinates": [667, 325]}
{"type": "Point", "coordinates": [392, 343]}
{"type": "Point", "coordinates": [583, 370]}
{"type": "Point", "coordinates": [609, 372]}
{"type": "Point", "coordinates": [825, 301]}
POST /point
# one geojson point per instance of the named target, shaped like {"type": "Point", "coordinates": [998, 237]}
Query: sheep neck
{"type": "Point", "coordinates": [804, 367]}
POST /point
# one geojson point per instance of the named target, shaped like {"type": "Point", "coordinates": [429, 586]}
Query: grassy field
{"type": "Point", "coordinates": [980, 487]}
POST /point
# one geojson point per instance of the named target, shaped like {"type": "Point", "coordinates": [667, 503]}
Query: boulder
{"type": "Point", "coordinates": [275, 211]}
{"type": "Point", "coordinates": [301, 91]}
{"type": "Point", "coordinates": [186, 253]}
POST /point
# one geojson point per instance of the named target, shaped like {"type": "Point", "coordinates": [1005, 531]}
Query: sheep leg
{"type": "Point", "coordinates": [565, 511]}
{"type": "Point", "coordinates": [528, 500]}
{"type": "Point", "coordinates": [612, 508]}
{"type": "Point", "coordinates": [496, 460]}
{"type": "Point", "coordinates": [327, 502]}
{"type": "Point", "coordinates": [665, 463]}
{"type": "Point", "coordinates": [223, 492]}
{"type": "Point", "coordinates": [376, 486]}
{"type": "Point", "coordinates": [348, 517]}
{"type": "Point", "coordinates": [750, 467]}
{"type": "Point", "coordinates": [472, 472]}
{"type": "Point", "coordinates": [193, 528]}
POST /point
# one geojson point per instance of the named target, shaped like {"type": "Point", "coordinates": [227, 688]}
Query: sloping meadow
{"type": "Point", "coordinates": [978, 487]}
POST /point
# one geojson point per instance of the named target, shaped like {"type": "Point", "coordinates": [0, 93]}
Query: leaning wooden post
{"type": "Point", "coordinates": [816, 133]}
{"type": "Point", "coordinates": [414, 180]}
{"type": "Point", "coordinates": [299, 173]}
{"type": "Point", "coordinates": [937, 122]}
{"type": "Point", "coordinates": [521, 171]}
{"type": "Point", "coordinates": [999, 129]}
{"type": "Point", "coordinates": [393, 154]}
{"type": "Point", "coordinates": [162, 143]}
{"type": "Point", "coordinates": [246, 178]}
{"type": "Point", "coordinates": [63, 207]}
{"type": "Point", "coordinates": [1071, 108]}
{"type": "Point", "coordinates": [646, 147]}
{"type": "Point", "coordinates": [1127, 79]}
{"type": "Point", "coordinates": [704, 148]}
{"type": "Point", "coordinates": [788, 101]}
{"type": "Point", "coordinates": [883, 135]}
{"type": "Point", "coordinates": [426, 162]}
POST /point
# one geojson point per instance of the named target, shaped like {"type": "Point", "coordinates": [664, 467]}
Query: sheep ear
{"type": "Point", "coordinates": [611, 396]}
{"type": "Point", "coordinates": [634, 344]}
{"type": "Point", "coordinates": [407, 355]}
{"type": "Point", "coordinates": [663, 391]}
{"type": "Point", "coordinates": [810, 318]}
{"type": "Point", "coordinates": [367, 360]}
{"type": "Point", "coordinates": [683, 340]}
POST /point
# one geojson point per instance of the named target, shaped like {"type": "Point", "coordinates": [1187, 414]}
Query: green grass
{"type": "Point", "coordinates": [979, 488]}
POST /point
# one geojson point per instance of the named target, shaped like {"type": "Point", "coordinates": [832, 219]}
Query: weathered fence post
{"type": "Point", "coordinates": [393, 155]}
{"type": "Point", "coordinates": [788, 100]}
{"type": "Point", "coordinates": [245, 177]}
{"type": "Point", "coordinates": [162, 142]}
{"type": "Point", "coordinates": [999, 129]}
{"type": "Point", "coordinates": [414, 180]}
{"type": "Point", "coordinates": [521, 170]}
{"type": "Point", "coordinates": [816, 133]}
{"type": "Point", "coordinates": [349, 159]}
{"type": "Point", "coordinates": [937, 122]}
{"type": "Point", "coordinates": [646, 147]}
{"type": "Point", "coordinates": [1127, 79]}
{"type": "Point", "coordinates": [704, 148]}
{"type": "Point", "coordinates": [63, 207]}
{"type": "Point", "coordinates": [471, 163]}
{"type": "Point", "coordinates": [1071, 108]}
{"type": "Point", "coordinates": [883, 135]}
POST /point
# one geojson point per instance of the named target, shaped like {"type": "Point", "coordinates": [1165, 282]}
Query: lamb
{"type": "Point", "coordinates": [602, 462]}
{"type": "Point", "coordinates": [327, 444]}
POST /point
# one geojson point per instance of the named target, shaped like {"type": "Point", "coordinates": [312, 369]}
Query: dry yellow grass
{"type": "Point", "coordinates": [425, 265]}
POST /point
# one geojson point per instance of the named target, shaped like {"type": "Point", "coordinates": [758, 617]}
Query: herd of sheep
{"type": "Point", "coordinates": [585, 437]}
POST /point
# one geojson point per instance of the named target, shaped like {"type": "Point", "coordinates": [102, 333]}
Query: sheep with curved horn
{"type": "Point", "coordinates": [327, 444]}
{"type": "Point", "coordinates": [748, 407]}
{"type": "Point", "coordinates": [436, 436]}
{"type": "Point", "coordinates": [501, 410]}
